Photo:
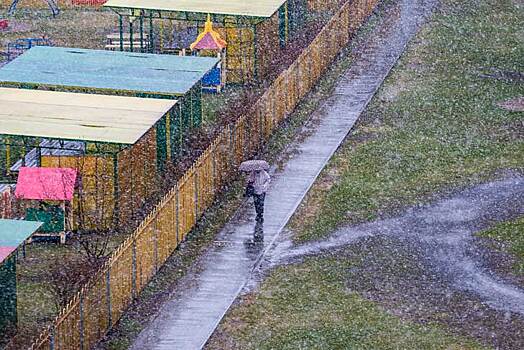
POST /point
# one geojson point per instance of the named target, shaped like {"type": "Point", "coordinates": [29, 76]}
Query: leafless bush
{"type": "Point", "coordinates": [94, 245]}
{"type": "Point", "coordinates": [66, 275]}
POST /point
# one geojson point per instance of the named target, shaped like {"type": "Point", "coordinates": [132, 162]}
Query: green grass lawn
{"type": "Point", "coordinates": [434, 125]}
{"type": "Point", "coordinates": [512, 235]}
{"type": "Point", "coordinates": [309, 306]}
{"type": "Point", "coordinates": [71, 28]}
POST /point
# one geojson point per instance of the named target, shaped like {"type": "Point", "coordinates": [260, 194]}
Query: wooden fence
{"type": "Point", "coordinates": [101, 303]}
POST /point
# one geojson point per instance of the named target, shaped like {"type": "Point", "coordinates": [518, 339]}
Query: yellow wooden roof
{"type": "Point", "coordinates": [251, 8]}
{"type": "Point", "coordinates": [73, 116]}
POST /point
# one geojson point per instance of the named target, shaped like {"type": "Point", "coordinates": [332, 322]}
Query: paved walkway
{"type": "Point", "coordinates": [192, 314]}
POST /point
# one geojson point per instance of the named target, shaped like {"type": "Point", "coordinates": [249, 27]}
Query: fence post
{"type": "Point", "coordinates": [133, 269]}
{"type": "Point", "coordinates": [177, 214]}
{"type": "Point", "coordinates": [231, 147]}
{"type": "Point", "coordinates": [214, 168]}
{"type": "Point", "coordinates": [52, 338]}
{"type": "Point", "coordinates": [247, 137]}
{"type": "Point", "coordinates": [196, 192]}
{"type": "Point", "coordinates": [108, 296]}
{"type": "Point", "coordinates": [81, 307]}
{"type": "Point", "coordinates": [155, 239]}
{"type": "Point", "coordinates": [261, 133]}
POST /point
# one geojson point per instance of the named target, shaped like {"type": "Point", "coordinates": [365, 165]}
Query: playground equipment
{"type": "Point", "coordinates": [113, 42]}
{"type": "Point", "coordinates": [51, 190]}
{"type": "Point", "coordinates": [115, 73]}
{"type": "Point", "coordinates": [53, 6]}
{"type": "Point", "coordinates": [209, 43]}
{"type": "Point", "coordinates": [126, 142]}
{"type": "Point", "coordinates": [255, 34]}
{"type": "Point", "coordinates": [19, 46]}
{"type": "Point", "coordinates": [181, 40]}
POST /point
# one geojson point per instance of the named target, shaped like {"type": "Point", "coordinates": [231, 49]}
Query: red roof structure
{"type": "Point", "coordinates": [57, 184]}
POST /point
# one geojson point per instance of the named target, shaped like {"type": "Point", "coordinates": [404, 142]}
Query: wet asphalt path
{"type": "Point", "coordinates": [191, 315]}
{"type": "Point", "coordinates": [443, 234]}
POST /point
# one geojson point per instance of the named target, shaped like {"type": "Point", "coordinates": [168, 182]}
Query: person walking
{"type": "Point", "coordinates": [257, 186]}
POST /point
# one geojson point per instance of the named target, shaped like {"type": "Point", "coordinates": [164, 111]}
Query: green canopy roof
{"type": "Point", "coordinates": [71, 68]}
{"type": "Point", "coordinates": [14, 232]}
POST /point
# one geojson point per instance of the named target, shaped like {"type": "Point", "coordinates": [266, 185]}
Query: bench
{"type": "Point", "coordinates": [125, 36]}
{"type": "Point", "coordinates": [127, 45]}
{"type": "Point", "coordinates": [113, 41]}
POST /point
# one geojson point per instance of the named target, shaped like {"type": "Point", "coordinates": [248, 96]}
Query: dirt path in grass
{"type": "Point", "coordinates": [427, 265]}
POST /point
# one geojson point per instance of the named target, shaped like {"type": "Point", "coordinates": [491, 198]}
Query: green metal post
{"type": "Point", "coordinates": [151, 39]}
{"type": "Point", "coordinates": [121, 31]}
{"type": "Point", "coordinates": [176, 130]}
{"type": "Point", "coordinates": [8, 301]}
{"type": "Point", "coordinates": [161, 143]}
{"type": "Point", "coordinates": [282, 25]}
{"type": "Point", "coordinates": [173, 133]}
{"type": "Point", "coordinates": [141, 33]}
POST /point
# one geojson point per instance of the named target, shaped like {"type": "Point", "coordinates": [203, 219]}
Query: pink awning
{"type": "Point", "coordinates": [56, 184]}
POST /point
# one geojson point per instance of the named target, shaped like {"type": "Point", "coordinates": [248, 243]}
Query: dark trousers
{"type": "Point", "coordinates": [259, 205]}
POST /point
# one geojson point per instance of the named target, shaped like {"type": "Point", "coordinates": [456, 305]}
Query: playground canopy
{"type": "Point", "coordinates": [255, 31]}
{"type": "Point", "coordinates": [74, 116]}
{"type": "Point", "coordinates": [13, 233]}
{"type": "Point", "coordinates": [57, 184]}
{"type": "Point", "coordinates": [126, 144]}
{"type": "Point", "coordinates": [114, 73]}
{"type": "Point", "coordinates": [140, 74]}
{"type": "Point", "coordinates": [259, 8]}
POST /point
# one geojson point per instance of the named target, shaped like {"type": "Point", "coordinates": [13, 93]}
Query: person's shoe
{"type": "Point", "coordinates": [260, 219]}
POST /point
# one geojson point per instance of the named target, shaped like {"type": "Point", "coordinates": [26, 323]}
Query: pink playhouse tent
{"type": "Point", "coordinates": [57, 184]}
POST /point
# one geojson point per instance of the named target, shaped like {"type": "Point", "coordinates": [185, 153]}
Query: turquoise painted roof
{"type": "Point", "coordinates": [101, 69]}
{"type": "Point", "coordinates": [14, 232]}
